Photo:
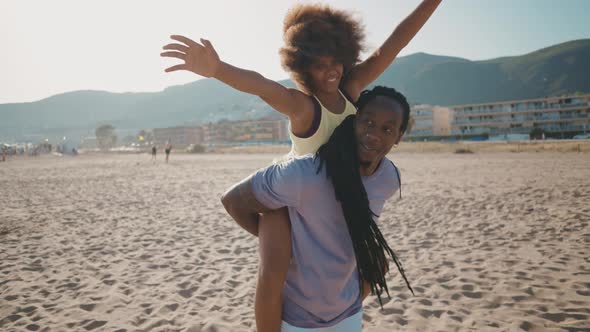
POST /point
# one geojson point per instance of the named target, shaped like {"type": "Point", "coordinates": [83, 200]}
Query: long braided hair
{"type": "Point", "coordinates": [342, 164]}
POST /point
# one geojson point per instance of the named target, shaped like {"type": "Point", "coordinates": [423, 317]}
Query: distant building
{"type": "Point", "coordinates": [561, 117]}
{"type": "Point", "coordinates": [218, 133]}
{"type": "Point", "coordinates": [90, 142]}
{"type": "Point", "coordinates": [179, 136]}
{"type": "Point", "coordinates": [265, 130]}
{"type": "Point", "coordinates": [558, 116]}
{"type": "Point", "coordinates": [430, 122]}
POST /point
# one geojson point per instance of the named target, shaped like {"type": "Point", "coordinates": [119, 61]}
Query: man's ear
{"type": "Point", "coordinates": [399, 138]}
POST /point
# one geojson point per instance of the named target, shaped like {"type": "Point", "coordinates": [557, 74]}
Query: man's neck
{"type": "Point", "coordinates": [367, 169]}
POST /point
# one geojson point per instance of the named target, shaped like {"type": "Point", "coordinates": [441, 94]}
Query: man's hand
{"type": "Point", "coordinates": [200, 59]}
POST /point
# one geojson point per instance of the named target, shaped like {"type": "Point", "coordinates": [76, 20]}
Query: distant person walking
{"type": "Point", "coordinates": [154, 150]}
{"type": "Point", "coordinates": [167, 150]}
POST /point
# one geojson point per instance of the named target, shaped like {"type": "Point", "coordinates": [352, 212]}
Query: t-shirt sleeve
{"type": "Point", "coordinates": [393, 180]}
{"type": "Point", "coordinates": [388, 187]}
{"type": "Point", "coordinates": [397, 181]}
{"type": "Point", "coordinates": [279, 185]}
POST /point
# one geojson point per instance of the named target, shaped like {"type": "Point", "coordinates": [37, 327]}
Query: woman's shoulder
{"type": "Point", "coordinates": [350, 91]}
{"type": "Point", "coordinates": [347, 96]}
{"type": "Point", "coordinates": [301, 120]}
{"type": "Point", "coordinates": [302, 96]}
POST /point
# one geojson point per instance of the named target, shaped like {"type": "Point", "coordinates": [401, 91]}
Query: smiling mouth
{"type": "Point", "coordinates": [368, 148]}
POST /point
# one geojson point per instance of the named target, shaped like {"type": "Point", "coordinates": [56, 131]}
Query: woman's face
{"type": "Point", "coordinates": [326, 74]}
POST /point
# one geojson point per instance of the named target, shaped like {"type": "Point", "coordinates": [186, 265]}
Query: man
{"type": "Point", "coordinates": [332, 197]}
{"type": "Point", "coordinates": [167, 150]}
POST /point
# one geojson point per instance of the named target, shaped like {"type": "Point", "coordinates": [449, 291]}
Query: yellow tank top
{"type": "Point", "coordinates": [328, 122]}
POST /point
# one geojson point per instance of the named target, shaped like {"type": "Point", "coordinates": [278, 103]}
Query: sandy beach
{"type": "Point", "coordinates": [489, 241]}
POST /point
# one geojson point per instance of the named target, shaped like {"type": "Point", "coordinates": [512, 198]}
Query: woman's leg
{"type": "Point", "coordinates": [274, 238]}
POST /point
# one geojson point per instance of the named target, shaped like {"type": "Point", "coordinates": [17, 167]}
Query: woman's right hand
{"type": "Point", "coordinates": [200, 59]}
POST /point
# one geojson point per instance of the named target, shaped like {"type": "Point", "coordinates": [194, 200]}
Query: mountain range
{"type": "Point", "coordinates": [423, 78]}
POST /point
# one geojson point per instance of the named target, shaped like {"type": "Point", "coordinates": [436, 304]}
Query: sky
{"type": "Point", "coordinates": [51, 47]}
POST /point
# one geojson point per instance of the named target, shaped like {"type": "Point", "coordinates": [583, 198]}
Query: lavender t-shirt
{"type": "Point", "coordinates": [322, 286]}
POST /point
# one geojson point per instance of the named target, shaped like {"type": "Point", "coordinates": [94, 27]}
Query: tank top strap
{"type": "Point", "coordinates": [317, 101]}
{"type": "Point", "coordinates": [346, 96]}
{"type": "Point", "coordinates": [349, 107]}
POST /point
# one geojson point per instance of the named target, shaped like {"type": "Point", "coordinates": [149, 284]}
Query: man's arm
{"type": "Point", "coordinates": [367, 71]}
{"type": "Point", "coordinates": [241, 204]}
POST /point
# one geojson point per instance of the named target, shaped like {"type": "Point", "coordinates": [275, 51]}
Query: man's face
{"type": "Point", "coordinates": [377, 129]}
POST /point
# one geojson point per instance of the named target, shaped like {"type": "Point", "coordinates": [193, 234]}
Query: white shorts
{"type": "Point", "coordinates": [351, 324]}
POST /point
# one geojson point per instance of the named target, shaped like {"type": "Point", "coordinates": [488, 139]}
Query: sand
{"type": "Point", "coordinates": [490, 242]}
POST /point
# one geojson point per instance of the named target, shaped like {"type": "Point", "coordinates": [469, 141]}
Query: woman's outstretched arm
{"type": "Point", "coordinates": [367, 71]}
{"type": "Point", "coordinates": [202, 59]}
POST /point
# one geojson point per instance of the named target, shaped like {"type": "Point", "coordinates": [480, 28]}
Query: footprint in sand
{"type": "Point", "coordinates": [172, 306]}
{"type": "Point", "coordinates": [467, 287]}
{"type": "Point", "coordinates": [392, 311]}
{"type": "Point", "coordinates": [473, 295]}
{"type": "Point", "coordinates": [560, 317]}
{"type": "Point", "coordinates": [33, 327]}
{"type": "Point", "coordinates": [427, 313]}
{"type": "Point", "coordinates": [187, 293]}
{"type": "Point", "coordinates": [29, 310]}
{"type": "Point", "coordinates": [88, 307]}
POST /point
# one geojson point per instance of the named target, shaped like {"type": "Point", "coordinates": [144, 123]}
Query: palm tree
{"type": "Point", "coordinates": [106, 137]}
